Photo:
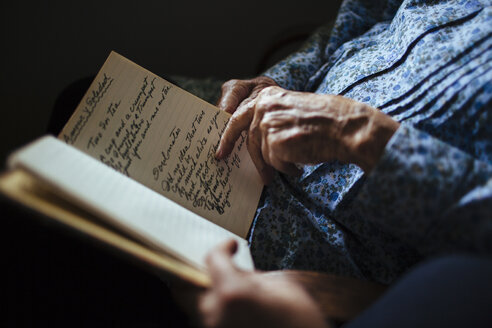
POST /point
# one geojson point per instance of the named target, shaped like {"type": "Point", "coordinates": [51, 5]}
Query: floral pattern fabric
{"type": "Point", "coordinates": [428, 64]}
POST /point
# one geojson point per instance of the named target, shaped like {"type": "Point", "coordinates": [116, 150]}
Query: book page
{"type": "Point", "coordinates": [124, 203]}
{"type": "Point", "coordinates": [23, 188]}
{"type": "Point", "coordinates": [165, 138]}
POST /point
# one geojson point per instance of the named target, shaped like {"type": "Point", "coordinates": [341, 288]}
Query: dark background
{"type": "Point", "coordinates": [51, 277]}
{"type": "Point", "coordinates": [46, 45]}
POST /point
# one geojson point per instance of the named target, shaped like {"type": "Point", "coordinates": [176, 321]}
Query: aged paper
{"type": "Point", "coordinates": [165, 138]}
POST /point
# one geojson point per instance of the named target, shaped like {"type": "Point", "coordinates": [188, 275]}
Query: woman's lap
{"type": "Point", "coordinates": [452, 291]}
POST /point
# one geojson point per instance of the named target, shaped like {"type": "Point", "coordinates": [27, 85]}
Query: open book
{"type": "Point", "coordinates": [135, 168]}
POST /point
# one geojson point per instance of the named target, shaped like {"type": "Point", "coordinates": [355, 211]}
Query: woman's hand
{"type": "Point", "coordinates": [250, 299]}
{"type": "Point", "coordinates": [287, 127]}
{"type": "Point", "coordinates": [240, 92]}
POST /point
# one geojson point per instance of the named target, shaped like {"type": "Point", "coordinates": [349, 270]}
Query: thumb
{"type": "Point", "coordinates": [219, 261]}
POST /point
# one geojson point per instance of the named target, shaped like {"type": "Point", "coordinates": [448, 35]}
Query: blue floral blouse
{"type": "Point", "coordinates": [428, 64]}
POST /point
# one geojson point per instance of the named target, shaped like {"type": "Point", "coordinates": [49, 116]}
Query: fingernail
{"type": "Point", "coordinates": [218, 154]}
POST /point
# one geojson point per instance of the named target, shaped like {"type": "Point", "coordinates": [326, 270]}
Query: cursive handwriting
{"type": "Point", "coordinates": [123, 147]}
{"type": "Point", "coordinates": [91, 102]}
{"type": "Point", "coordinates": [166, 155]}
{"type": "Point", "coordinates": [197, 176]}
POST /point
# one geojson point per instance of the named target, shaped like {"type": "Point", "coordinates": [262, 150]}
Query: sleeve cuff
{"type": "Point", "coordinates": [417, 179]}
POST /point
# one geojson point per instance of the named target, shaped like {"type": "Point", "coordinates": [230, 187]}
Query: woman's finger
{"type": "Point", "coordinates": [239, 121]}
{"type": "Point", "coordinates": [233, 93]}
{"type": "Point", "coordinates": [255, 151]}
{"type": "Point", "coordinates": [271, 159]}
{"type": "Point", "coordinates": [219, 262]}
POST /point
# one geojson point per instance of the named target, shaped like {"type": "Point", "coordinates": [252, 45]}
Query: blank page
{"type": "Point", "coordinates": [124, 203]}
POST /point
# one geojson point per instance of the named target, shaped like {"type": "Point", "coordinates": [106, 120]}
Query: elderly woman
{"type": "Point", "coordinates": [375, 142]}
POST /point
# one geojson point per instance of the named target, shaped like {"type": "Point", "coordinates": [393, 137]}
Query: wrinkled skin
{"type": "Point", "coordinates": [284, 128]}
{"type": "Point", "coordinates": [287, 127]}
{"type": "Point", "coordinates": [240, 92]}
{"type": "Point", "coordinates": [250, 299]}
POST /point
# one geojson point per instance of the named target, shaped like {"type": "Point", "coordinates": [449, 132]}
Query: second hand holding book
{"type": "Point", "coordinates": [136, 161]}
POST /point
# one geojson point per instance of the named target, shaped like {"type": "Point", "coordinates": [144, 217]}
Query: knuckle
{"type": "Point", "coordinates": [245, 107]}
{"type": "Point", "coordinates": [269, 90]}
{"type": "Point", "coordinates": [239, 91]}
{"type": "Point", "coordinates": [263, 81]}
{"type": "Point", "coordinates": [233, 122]}
{"type": "Point", "coordinates": [229, 83]}
{"type": "Point", "coordinates": [264, 106]}
{"type": "Point", "coordinates": [266, 99]}
{"type": "Point", "coordinates": [233, 84]}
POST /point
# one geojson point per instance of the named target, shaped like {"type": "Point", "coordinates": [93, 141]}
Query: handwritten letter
{"type": "Point", "coordinates": [165, 138]}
